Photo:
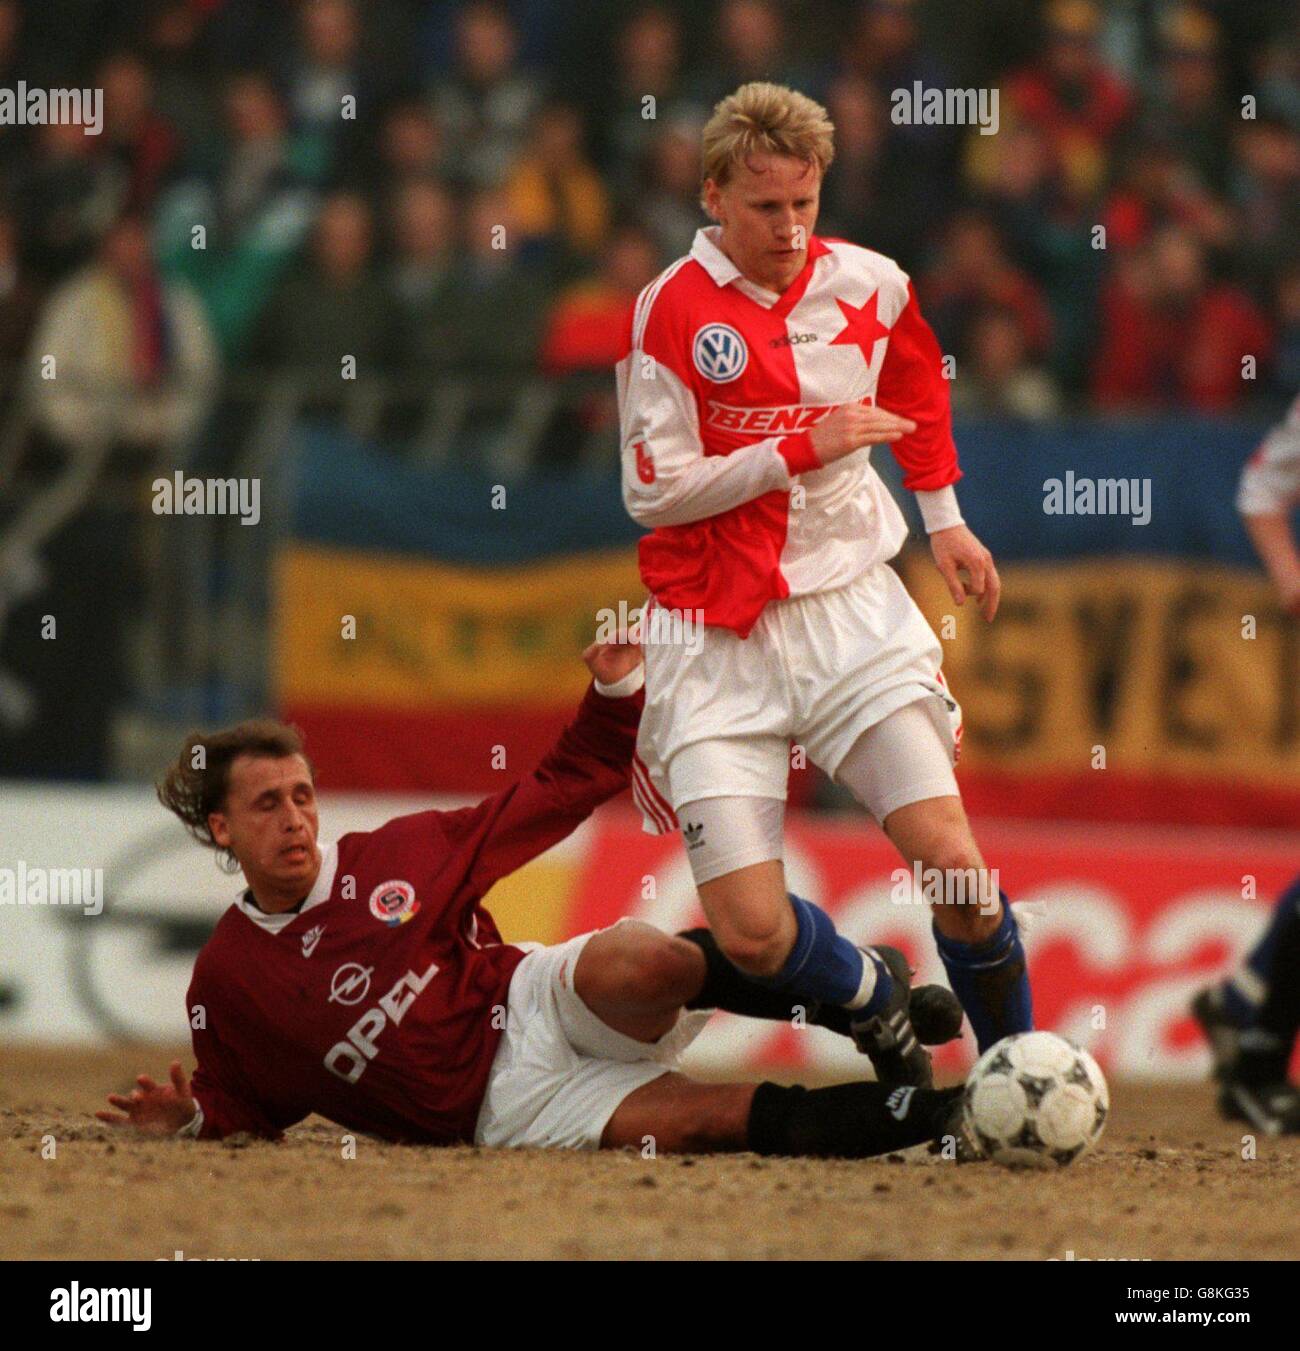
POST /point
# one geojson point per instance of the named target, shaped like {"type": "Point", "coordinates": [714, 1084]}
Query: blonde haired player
{"type": "Point", "coordinates": [760, 370]}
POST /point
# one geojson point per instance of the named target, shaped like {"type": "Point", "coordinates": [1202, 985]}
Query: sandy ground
{"type": "Point", "coordinates": [1168, 1181]}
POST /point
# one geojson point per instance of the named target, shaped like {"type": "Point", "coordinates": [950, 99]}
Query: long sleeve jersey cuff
{"type": "Point", "coordinates": [622, 689]}
{"type": "Point", "coordinates": [939, 509]}
{"type": "Point", "coordinates": [195, 1124]}
{"type": "Point", "coordinates": [798, 453]}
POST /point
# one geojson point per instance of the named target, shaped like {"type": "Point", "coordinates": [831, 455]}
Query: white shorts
{"type": "Point", "coordinates": [817, 670]}
{"type": "Point", "coordinates": [559, 1072]}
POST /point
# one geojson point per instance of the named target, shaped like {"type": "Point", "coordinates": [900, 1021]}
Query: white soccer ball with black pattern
{"type": "Point", "coordinates": [1035, 1100]}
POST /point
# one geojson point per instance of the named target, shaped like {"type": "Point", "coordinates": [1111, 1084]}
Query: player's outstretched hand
{"type": "Point", "coordinates": [853, 426]}
{"type": "Point", "coordinates": [610, 662]}
{"type": "Point", "coordinates": [957, 551]}
{"type": "Point", "coordinates": [155, 1109]}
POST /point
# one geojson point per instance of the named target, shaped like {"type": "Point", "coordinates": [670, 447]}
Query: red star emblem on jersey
{"type": "Point", "coordinates": [862, 326]}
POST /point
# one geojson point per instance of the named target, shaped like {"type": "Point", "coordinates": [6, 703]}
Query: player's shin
{"type": "Point", "coordinates": [824, 967]}
{"type": "Point", "coordinates": [935, 1015]}
{"type": "Point", "coordinates": [991, 979]}
{"type": "Point", "coordinates": [850, 1121]}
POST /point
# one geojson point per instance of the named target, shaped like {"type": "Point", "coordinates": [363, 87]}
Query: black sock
{"type": "Point", "coordinates": [849, 1121]}
{"type": "Point", "coordinates": [1279, 1014]}
{"type": "Point", "coordinates": [726, 987]}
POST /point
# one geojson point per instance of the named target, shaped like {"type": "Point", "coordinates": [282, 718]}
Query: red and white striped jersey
{"type": "Point", "coordinates": [719, 388]}
{"type": "Point", "coordinates": [1270, 483]}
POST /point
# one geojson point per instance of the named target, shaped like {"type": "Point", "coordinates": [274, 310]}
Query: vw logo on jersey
{"type": "Point", "coordinates": [719, 352]}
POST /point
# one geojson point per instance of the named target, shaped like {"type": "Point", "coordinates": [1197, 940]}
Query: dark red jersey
{"type": "Point", "coordinates": [381, 1002]}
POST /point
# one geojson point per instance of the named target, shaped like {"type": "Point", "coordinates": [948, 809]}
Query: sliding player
{"type": "Point", "coordinates": [760, 369]}
{"type": "Point", "coordinates": [365, 981]}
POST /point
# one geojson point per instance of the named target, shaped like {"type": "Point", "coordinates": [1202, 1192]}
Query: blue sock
{"type": "Point", "coordinates": [991, 980]}
{"type": "Point", "coordinates": [825, 968]}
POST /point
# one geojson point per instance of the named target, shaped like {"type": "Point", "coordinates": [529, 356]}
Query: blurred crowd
{"type": "Point", "coordinates": [485, 186]}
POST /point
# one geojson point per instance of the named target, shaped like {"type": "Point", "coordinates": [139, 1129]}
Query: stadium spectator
{"type": "Point", "coordinates": [996, 377]}
{"type": "Point", "coordinates": [487, 104]}
{"type": "Point", "coordinates": [886, 48]}
{"type": "Point", "coordinates": [1186, 105]}
{"type": "Point", "coordinates": [1070, 95]}
{"type": "Point", "coordinates": [66, 196]}
{"type": "Point", "coordinates": [971, 273]}
{"type": "Point", "coordinates": [557, 199]}
{"type": "Point", "coordinates": [331, 307]}
{"type": "Point", "coordinates": [1155, 186]}
{"type": "Point", "coordinates": [1266, 195]}
{"type": "Point", "coordinates": [1172, 337]}
{"type": "Point", "coordinates": [851, 201]}
{"type": "Point", "coordinates": [587, 327]}
{"type": "Point", "coordinates": [134, 358]}
{"type": "Point", "coordinates": [1049, 234]}
{"type": "Point", "coordinates": [495, 302]}
{"type": "Point", "coordinates": [231, 231]}
{"type": "Point", "coordinates": [753, 44]}
{"type": "Point", "coordinates": [669, 203]}
{"type": "Point", "coordinates": [184, 93]}
{"type": "Point", "coordinates": [404, 143]}
{"type": "Point", "coordinates": [917, 157]}
{"type": "Point", "coordinates": [586, 334]}
{"type": "Point", "coordinates": [425, 237]}
{"type": "Point", "coordinates": [135, 135]}
{"type": "Point", "coordinates": [647, 90]}
{"type": "Point", "coordinates": [323, 67]}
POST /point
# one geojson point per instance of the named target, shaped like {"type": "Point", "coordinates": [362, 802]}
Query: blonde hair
{"type": "Point", "coordinates": [771, 118]}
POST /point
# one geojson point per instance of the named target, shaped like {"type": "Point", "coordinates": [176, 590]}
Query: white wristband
{"type": "Point", "coordinates": [195, 1124]}
{"type": "Point", "coordinates": [939, 509]}
{"type": "Point", "coordinates": [630, 683]}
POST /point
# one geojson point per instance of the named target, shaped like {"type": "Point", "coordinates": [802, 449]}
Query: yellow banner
{"type": "Point", "coordinates": [406, 634]}
{"type": "Point", "coordinates": [1135, 664]}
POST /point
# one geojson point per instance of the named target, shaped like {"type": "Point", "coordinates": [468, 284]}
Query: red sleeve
{"type": "Point", "coordinates": [912, 384]}
{"type": "Point", "coordinates": [228, 1105]}
{"type": "Point", "coordinates": [591, 763]}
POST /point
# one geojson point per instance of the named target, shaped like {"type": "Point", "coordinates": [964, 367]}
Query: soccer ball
{"type": "Point", "coordinates": [1035, 1100]}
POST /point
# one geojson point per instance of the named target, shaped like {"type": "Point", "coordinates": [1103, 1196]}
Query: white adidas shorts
{"type": "Point", "coordinates": [816, 670]}
{"type": "Point", "coordinates": [559, 1073]}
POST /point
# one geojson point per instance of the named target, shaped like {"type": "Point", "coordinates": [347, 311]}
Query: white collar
{"type": "Point", "coordinates": [708, 253]}
{"type": "Point", "coordinates": [321, 888]}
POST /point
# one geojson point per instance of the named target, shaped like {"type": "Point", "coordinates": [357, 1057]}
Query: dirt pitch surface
{"type": "Point", "coordinates": [1168, 1181]}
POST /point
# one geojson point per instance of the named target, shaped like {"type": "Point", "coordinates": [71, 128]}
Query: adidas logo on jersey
{"type": "Point", "coordinates": [693, 834]}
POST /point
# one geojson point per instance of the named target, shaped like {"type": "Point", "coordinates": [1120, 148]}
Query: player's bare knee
{"type": "Point", "coordinates": [757, 951]}
{"type": "Point", "coordinates": [667, 969]}
{"type": "Point", "coordinates": [647, 967]}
